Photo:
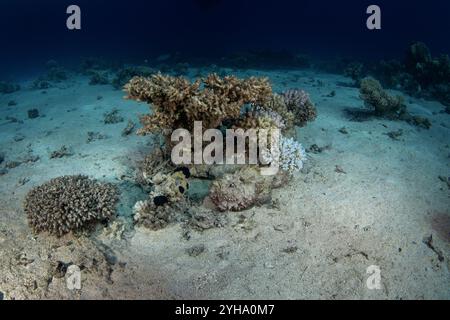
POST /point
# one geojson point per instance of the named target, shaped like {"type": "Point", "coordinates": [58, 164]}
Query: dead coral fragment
{"type": "Point", "coordinates": [178, 103]}
{"type": "Point", "coordinates": [165, 201]}
{"type": "Point", "coordinates": [112, 117]}
{"type": "Point", "coordinates": [156, 217]}
{"type": "Point", "coordinates": [241, 190]}
{"type": "Point", "coordinates": [379, 100]}
{"type": "Point", "coordinates": [69, 203]}
{"type": "Point", "coordinates": [153, 163]}
{"type": "Point", "coordinates": [171, 186]}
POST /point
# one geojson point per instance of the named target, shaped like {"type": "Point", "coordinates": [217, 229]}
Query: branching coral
{"type": "Point", "coordinates": [69, 203]}
{"type": "Point", "coordinates": [178, 103]}
{"type": "Point", "coordinates": [299, 103]}
{"type": "Point", "coordinates": [290, 155]}
{"type": "Point", "coordinates": [277, 104]}
{"type": "Point", "coordinates": [379, 100]}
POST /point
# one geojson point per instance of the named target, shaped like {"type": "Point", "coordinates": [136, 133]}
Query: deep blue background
{"type": "Point", "coordinates": [34, 31]}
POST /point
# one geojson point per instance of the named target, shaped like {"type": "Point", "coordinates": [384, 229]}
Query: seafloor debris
{"type": "Point", "coordinates": [60, 153]}
{"type": "Point", "coordinates": [339, 169]}
{"type": "Point", "coordinates": [395, 135]}
{"type": "Point", "coordinates": [93, 136]}
{"type": "Point", "coordinates": [314, 148]}
{"type": "Point", "coordinates": [69, 203]}
{"type": "Point", "coordinates": [128, 129]}
{"type": "Point", "coordinates": [429, 243]}
{"type": "Point", "coordinates": [33, 113]}
{"type": "Point", "coordinates": [112, 117]}
{"type": "Point", "coordinates": [343, 130]}
{"type": "Point", "coordinates": [445, 180]}
{"type": "Point", "coordinates": [196, 250]}
{"type": "Point", "coordinates": [201, 219]}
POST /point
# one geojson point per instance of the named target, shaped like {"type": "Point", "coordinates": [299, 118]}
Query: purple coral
{"type": "Point", "coordinates": [299, 103]}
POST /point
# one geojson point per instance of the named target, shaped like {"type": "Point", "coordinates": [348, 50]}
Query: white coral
{"type": "Point", "coordinates": [290, 155]}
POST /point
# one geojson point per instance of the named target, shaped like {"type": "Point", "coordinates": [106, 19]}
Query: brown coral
{"type": "Point", "coordinates": [69, 203]}
{"type": "Point", "coordinates": [178, 102]}
{"type": "Point", "coordinates": [299, 103]}
{"type": "Point", "coordinates": [379, 100]}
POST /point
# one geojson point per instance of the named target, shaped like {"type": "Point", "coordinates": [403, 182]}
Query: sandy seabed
{"type": "Point", "coordinates": [366, 199]}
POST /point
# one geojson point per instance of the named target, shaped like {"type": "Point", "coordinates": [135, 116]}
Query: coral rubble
{"type": "Point", "coordinates": [69, 203]}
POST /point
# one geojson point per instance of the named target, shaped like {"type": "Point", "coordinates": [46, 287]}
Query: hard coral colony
{"type": "Point", "coordinates": [223, 103]}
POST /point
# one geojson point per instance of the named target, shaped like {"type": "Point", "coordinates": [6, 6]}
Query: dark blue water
{"type": "Point", "coordinates": [35, 31]}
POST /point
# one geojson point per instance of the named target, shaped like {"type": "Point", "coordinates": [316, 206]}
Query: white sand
{"type": "Point", "coordinates": [334, 225]}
